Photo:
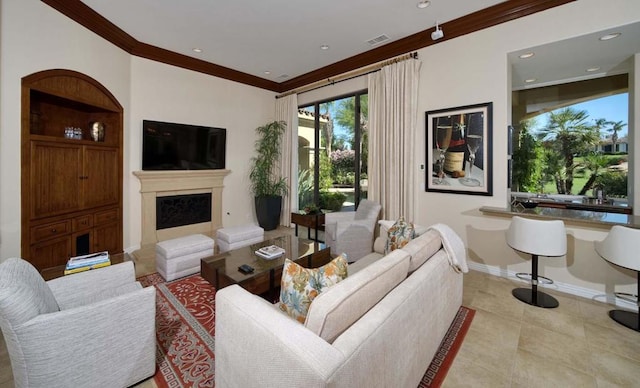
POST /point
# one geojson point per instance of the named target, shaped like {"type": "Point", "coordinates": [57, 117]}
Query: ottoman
{"type": "Point", "coordinates": [181, 256]}
{"type": "Point", "coordinates": [238, 236]}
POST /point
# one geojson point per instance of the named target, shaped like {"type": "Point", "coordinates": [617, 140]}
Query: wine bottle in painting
{"type": "Point", "coordinates": [455, 156]}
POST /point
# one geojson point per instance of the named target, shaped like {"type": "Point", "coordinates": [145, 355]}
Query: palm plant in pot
{"type": "Point", "coordinates": [267, 185]}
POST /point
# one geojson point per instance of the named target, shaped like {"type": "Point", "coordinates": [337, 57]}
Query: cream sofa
{"type": "Point", "coordinates": [379, 327]}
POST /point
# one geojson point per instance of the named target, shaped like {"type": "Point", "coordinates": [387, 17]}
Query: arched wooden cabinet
{"type": "Point", "coordinates": [71, 184]}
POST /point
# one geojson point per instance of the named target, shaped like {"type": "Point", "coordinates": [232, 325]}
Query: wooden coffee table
{"type": "Point", "coordinates": [221, 270]}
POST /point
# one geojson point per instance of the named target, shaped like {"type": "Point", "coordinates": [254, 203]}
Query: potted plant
{"type": "Point", "coordinates": [266, 184]}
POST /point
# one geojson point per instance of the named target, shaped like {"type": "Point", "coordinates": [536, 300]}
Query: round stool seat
{"type": "Point", "coordinates": [537, 238]}
{"type": "Point", "coordinates": [620, 248]}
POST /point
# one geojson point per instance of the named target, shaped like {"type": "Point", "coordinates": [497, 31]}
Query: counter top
{"type": "Point", "coordinates": [573, 216]}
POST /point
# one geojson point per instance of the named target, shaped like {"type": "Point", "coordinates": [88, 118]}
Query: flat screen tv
{"type": "Point", "coordinates": [171, 146]}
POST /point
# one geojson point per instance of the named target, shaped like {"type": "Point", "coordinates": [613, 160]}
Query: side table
{"type": "Point", "coordinates": [58, 271]}
{"type": "Point", "coordinates": [315, 221]}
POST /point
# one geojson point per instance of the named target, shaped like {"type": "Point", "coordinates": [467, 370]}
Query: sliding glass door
{"type": "Point", "coordinates": [332, 152]}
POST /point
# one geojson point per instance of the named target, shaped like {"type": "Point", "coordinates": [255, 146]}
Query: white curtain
{"type": "Point", "coordinates": [287, 111]}
{"type": "Point", "coordinates": [393, 117]}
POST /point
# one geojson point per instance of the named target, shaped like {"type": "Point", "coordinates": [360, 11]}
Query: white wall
{"type": "Point", "coordinates": [167, 93]}
{"type": "Point", "coordinates": [35, 37]}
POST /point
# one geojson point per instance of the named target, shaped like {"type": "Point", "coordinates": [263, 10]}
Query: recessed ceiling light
{"type": "Point", "coordinates": [267, 72]}
{"type": "Point", "coordinates": [530, 80]}
{"type": "Point", "coordinates": [197, 50]}
{"type": "Point", "coordinates": [324, 47]}
{"type": "Point", "coordinates": [610, 36]}
{"type": "Point", "coordinates": [526, 55]}
{"type": "Point", "coordinates": [592, 69]}
{"type": "Point", "coordinates": [423, 4]}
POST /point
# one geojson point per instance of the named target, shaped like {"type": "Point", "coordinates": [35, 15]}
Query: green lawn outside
{"type": "Point", "coordinates": [580, 177]}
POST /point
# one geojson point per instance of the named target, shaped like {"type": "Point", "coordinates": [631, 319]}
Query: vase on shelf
{"type": "Point", "coordinates": [97, 131]}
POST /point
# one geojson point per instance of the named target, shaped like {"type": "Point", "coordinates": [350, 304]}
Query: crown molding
{"type": "Point", "coordinates": [485, 18]}
{"type": "Point", "coordinates": [87, 17]}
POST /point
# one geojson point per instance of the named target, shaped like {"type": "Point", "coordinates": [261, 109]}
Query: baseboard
{"type": "Point", "coordinates": [558, 286]}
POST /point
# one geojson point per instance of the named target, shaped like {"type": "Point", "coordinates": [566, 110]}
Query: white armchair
{"type": "Point", "coordinates": [90, 329]}
{"type": "Point", "coordinates": [352, 232]}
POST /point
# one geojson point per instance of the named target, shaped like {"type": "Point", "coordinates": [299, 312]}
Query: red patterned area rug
{"type": "Point", "coordinates": [437, 371]}
{"type": "Point", "coordinates": [185, 323]}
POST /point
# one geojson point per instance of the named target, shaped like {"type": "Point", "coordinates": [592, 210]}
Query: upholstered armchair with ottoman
{"type": "Point", "coordinates": [90, 329]}
{"type": "Point", "coordinates": [352, 232]}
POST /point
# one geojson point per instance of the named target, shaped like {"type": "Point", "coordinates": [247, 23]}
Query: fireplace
{"type": "Point", "coordinates": [179, 210]}
{"type": "Point", "coordinates": [188, 202]}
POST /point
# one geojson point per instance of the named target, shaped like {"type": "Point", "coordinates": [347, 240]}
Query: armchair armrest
{"type": "Point", "coordinates": [71, 289]}
{"type": "Point", "coordinates": [251, 331]}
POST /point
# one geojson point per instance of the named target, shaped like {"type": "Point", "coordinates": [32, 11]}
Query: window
{"type": "Point", "coordinates": [332, 153]}
{"type": "Point", "coordinates": [572, 139]}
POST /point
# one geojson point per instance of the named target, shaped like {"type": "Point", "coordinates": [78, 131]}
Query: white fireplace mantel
{"type": "Point", "coordinates": [155, 184]}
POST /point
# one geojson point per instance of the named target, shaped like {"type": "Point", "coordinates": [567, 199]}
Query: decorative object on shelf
{"type": "Point", "coordinates": [73, 133]}
{"type": "Point", "coordinates": [267, 185]}
{"type": "Point", "coordinates": [97, 131]}
{"type": "Point", "coordinates": [527, 203]}
{"type": "Point", "coordinates": [475, 174]}
{"type": "Point", "coordinates": [311, 209]}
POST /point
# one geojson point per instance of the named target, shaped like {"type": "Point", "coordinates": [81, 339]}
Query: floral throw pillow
{"type": "Point", "coordinates": [399, 234]}
{"type": "Point", "coordinates": [299, 285]}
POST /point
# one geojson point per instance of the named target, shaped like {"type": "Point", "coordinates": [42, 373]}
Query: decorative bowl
{"type": "Point", "coordinates": [529, 204]}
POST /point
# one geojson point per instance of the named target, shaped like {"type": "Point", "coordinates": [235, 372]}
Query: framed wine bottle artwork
{"type": "Point", "coordinates": [458, 150]}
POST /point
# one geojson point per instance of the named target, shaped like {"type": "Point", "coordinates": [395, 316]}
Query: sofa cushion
{"type": "Point", "coordinates": [399, 235]}
{"type": "Point", "coordinates": [364, 262]}
{"type": "Point", "coordinates": [422, 248]}
{"type": "Point", "coordinates": [299, 285]}
{"type": "Point", "coordinates": [333, 311]}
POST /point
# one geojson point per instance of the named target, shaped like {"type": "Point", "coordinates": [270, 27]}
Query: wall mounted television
{"type": "Point", "coordinates": [171, 146]}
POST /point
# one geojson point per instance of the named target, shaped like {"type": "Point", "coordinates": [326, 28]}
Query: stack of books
{"type": "Point", "coordinates": [270, 252]}
{"type": "Point", "coordinates": [87, 262]}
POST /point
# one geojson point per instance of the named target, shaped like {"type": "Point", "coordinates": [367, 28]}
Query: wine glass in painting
{"type": "Point", "coordinates": [473, 138]}
{"type": "Point", "coordinates": [443, 138]}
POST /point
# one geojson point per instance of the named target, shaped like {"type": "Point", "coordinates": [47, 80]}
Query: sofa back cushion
{"type": "Point", "coordinates": [422, 248]}
{"type": "Point", "coordinates": [337, 308]}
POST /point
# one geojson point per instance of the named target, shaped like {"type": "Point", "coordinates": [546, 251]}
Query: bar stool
{"type": "Point", "coordinates": [537, 238]}
{"type": "Point", "coordinates": [621, 247]}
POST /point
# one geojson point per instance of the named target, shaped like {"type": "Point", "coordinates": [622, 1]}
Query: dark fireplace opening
{"type": "Point", "coordinates": [179, 210]}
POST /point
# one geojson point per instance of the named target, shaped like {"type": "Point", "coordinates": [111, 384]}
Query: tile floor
{"type": "Point", "coordinates": [512, 344]}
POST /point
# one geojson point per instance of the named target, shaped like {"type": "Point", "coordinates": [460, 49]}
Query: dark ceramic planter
{"type": "Point", "coordinates": [268, 211]}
